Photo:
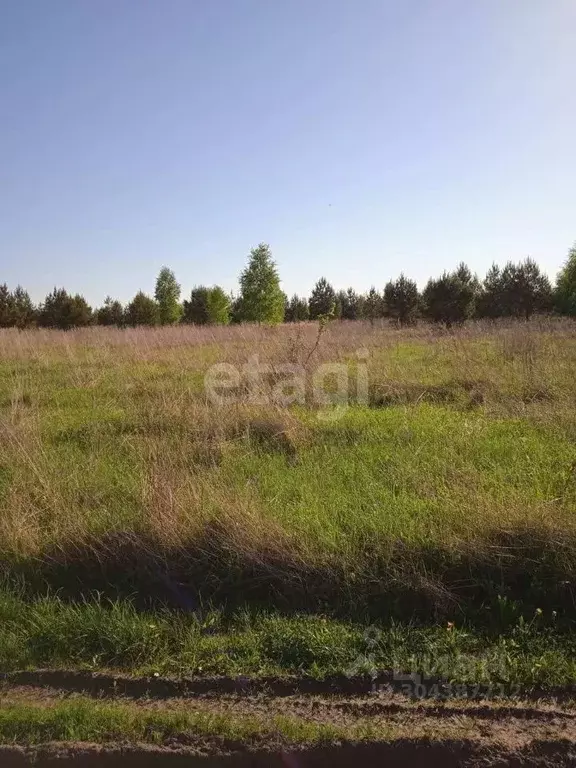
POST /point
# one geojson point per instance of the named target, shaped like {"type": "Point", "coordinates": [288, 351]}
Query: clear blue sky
{"type": "Point", "coordinates": [359, 138]}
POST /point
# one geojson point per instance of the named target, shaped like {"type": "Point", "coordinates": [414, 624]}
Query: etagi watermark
{"type": "Point", "coordinates": [330, 387]}
{"type": "Point", "coordinates": [434, 685]}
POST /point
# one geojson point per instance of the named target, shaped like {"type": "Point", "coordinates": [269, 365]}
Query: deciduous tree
{"type": "Point", "coordinates": [261, 298]}
{"type": "Point", "coordinates": [167, 294]}
{"type": "Point", "coordinates": [218, 306]}
{"type": "Point", "coordinates": [565, 293]}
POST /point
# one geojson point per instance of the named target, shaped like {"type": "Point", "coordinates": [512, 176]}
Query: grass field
{"type": "Point", "coordinates": [426, 526]}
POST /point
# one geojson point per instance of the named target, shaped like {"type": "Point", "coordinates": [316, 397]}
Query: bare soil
{"type": "Point", "coordinates": [104, 684]}
{"type": "Point", "coordinates": [398, 754]}
{"type": "Point", "coordinates": [424, 732]}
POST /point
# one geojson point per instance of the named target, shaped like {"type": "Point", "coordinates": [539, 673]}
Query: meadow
{"type": "Point", "coordinates": [146, 528]}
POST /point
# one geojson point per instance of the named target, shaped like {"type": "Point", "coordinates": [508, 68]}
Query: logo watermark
{"type": "Point", "coordinates": [440, 680]}
{"type": "Point", "coordinates": [330, 387]}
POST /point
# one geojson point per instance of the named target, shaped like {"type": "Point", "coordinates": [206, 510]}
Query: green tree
{"type": "Point", "coordinates": [466, 277]}
{"type": "Point", "coordinates": [322, 300]}
{"type": "Point", "coordinates": [491, 299]}
{"type": "Point", "coordinates": [261, 298]}
{"type": "Point", "coordinates": [23, 311]}
{"type": "Point", "coordinates": [111, 313]}
{"type": "Point", "coordinates": [142, 310]}
{"type": "Point", "coordinates": [5, 307]}
{"type": "Point", "coordinates": [16, 308]}
{"type": "Point", "coordinates": [524, 290]}
{"type": "Point", "coordinates": [64, 311]}
{"type": "Point", "coordinates": [373, 305]}
{"type": "Point", "coordinates": [352, 304]}
{"type": "Point", "coordinates": [402, 300]}
{"type": "Point", "coordinates": [451, 298]}
{"type": "Point", "coordinates": [218, 306]}
{"type": "Point", "coordinates": [167, 294]}
{"type": "Point", "coordinates": [196, 307]}
{"type": "Point", "coordinates": [339, 302]}
{"type": "Point", "coordinates": [472, 290]}
{"type": "Point", "coordinates": [565, 293]}
{"type": "Point", "coordinates": [296, 310]}
{"type": "Point", "coordinates": [235, 309]}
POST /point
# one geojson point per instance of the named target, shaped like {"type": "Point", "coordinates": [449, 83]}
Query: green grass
{"type": "Point", "coordinates": [527, 651]}
{"type": "Point", "coordinates": [450, 497]}
{"type": "Point", "coordinates": [419, 474]}
{"type": "Point", "coordinates": [397, 509]}
{"type": "Point", "coordinates": [95, 722]}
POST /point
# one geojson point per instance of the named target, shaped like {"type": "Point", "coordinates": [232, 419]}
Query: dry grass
{"type": "Point", "coordinates": [454, 485]}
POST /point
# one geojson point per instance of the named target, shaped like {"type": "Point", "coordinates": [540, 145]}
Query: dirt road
{"type": "Point", "coordinates": [397, 731]}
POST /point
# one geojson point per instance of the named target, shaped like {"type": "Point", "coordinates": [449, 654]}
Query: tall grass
{"type": "Point", "coordinates": [453, 487]}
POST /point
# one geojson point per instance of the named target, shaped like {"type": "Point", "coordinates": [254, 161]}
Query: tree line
{"type": "Point", "coordinates": [517, 290]}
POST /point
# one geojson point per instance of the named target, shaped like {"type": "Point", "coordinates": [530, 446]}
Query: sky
{"type": "Point", "coordinates": [359, 138]}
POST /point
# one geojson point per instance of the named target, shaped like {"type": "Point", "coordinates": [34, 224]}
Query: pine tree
{"type": "Point", "coordinates": [111, 313]}
{"type": "Point", "coordinates": [261, 298]}
{"type": "Point", "coordinates": [5, 307]}
{"type": "Point", "coordinates": [296, 310]}
{"type": "Point", "coordinates": [64, 311]}
{"type": "Point", "coordinates": [451, 298]}
{"type": "Point", "coordinates": [351, 304]}
{"type": "Point", "coordinates": [402, 300]}
{"type": "Point", "coordinates": [196, 307]}
{"type": "Point", "coordinates": [142, 310]}
{"type": "Point", "coordinates": [524, 290]}
{"type": "Point", "coordinates": [23, 311]}
{"type": "Point", "coordinates": [235, 309]}
{"type": "Point", "coordinates": [322, 300]}
{"type": "Point", "coordinates": [491, 298]}
{"type": "Point", "coordinates": [207, 306]}
{"type": "Point", "coordinates": [373, 305]}
{"type": "Point", "coordinates": [167, 294]}
{"type": "Point", "coordinates": [338, 306]}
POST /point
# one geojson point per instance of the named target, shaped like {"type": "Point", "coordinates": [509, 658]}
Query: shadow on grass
{"type": "Point", "coordinates": [494, 580]}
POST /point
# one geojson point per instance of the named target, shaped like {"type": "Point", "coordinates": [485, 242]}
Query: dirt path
{"type": "Point", "coordinates": [103, 684]}
{"type": "Point", "coordinates": [399, 754]}
{"type": "Point", "coordinates": [402, 732]}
